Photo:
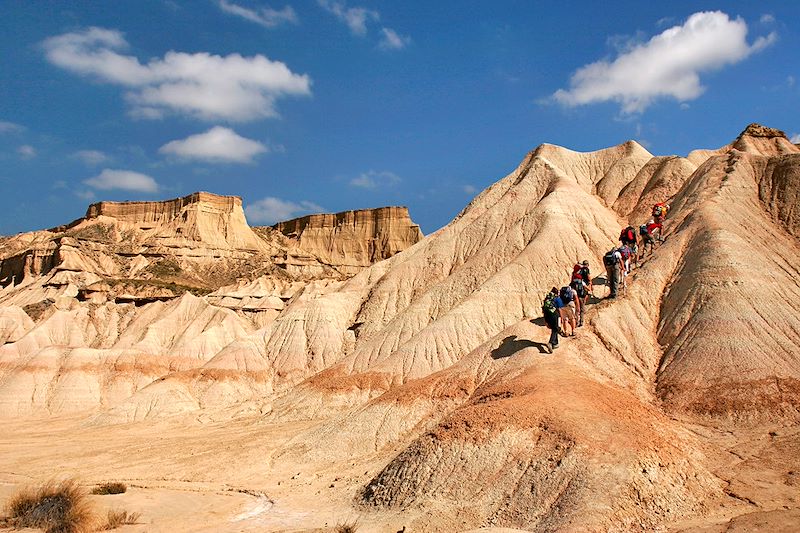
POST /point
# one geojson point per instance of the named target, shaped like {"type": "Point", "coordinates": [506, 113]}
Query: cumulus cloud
{"type": "Point", "coordinates": [201, 85]}
{"type": "Point", "coordinates": [390, 40]}
{"type": "Point", "coordinates": [122, 179]}
{"type": "Point", "coordinates": [668, 65]}
{"type": "Point", "coordinates": [91, 157]}
{"type": "Point", "coordinates": [270, 210]}
{"type": "Point", "coordinates": [9, 127]}
{"type": "Point", "coordinates": [373, 179]}
{"type": "Point", "coordinates": [265, 16]}
{"type": "Point", "coordinates": [217, 145]}
{"type": "Point", "coordinates": [26, 151]}
{"type": "Point", "coordinates": [795, 138]}
{"type": "Point", "coordinates": [356, 18]}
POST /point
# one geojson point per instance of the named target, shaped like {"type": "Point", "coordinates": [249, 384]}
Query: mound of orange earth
{"type": "Point", "coordinates": [418, 392]}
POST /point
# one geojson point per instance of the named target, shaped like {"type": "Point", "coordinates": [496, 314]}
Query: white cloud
{"type": "Point", "coordinates": [202, 85]}
{"type": "Point", "coordinates": [668, 65]}
{"type": "Point", "coordinates": [26, 151]}
{"type": "Point", "coordinates": [356, 18]}
{"type": "Point", "coordinates": [766, 18]}
{"type": "Point", "coordinates": [86, 195]}
{"type": "Point", "coordinates": [469, 189]}
{"type": "Point", "coordinates": [10, 127]}
{"type": "Point", "coordinates": [390, 40]}
{"type": "Point", "coordinates": [373, 179]}
{"type": "Point", "coordinates": [271, 210]}
{"type": "Point", "coordinates": [795, 138]}
{"type": "Point", "coordinates": [265, 16]}
{"type": "Point", "coordinates": [91, 157]}
{"type": "Point", "coordinates": [122, 179]}
{"type": "Point", "coordinates": [218, 144]}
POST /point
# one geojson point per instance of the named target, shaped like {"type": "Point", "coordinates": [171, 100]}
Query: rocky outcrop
{"type": "Point", "coordinates": [351, 240]}
{"type": "Point", "coordinates": [147, 251]}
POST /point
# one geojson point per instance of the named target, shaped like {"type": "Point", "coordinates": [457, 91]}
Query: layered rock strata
{"type": "Point", "coordinates": [352, 240]}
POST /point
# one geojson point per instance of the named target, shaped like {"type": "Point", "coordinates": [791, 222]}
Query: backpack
{"type": "Point", "coordinates": [578, 286]}
{"type": "Point", "coordinates": [643, 230]}
{"type": "Point", "coordinates": [625, 252]}
{"type": "Point", "coordinates": [628, 235]}
{"type": "Point", "coordinates": [549, 306]}
{"type": "Point", "coordinates": [609, 259]}
{"type": "Point", "coordinates": [567, 294]}
{"type": "Point", "coordinates": [586, 275]}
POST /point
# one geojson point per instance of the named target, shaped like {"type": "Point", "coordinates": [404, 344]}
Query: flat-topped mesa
{"type": "Point", "coordinates": [147, 213]}
{"type": "Point", "coordinates": [207, 219]}
{"type": "Point", "coordinates": [354, 239]}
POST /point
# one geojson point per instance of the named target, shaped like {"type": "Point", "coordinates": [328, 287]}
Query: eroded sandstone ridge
{"type": "Point", "coordinates": [353, 239]}
{"type": "Point", "coordinates": [417, 393]}
{"type": "Point", "coordinates": [143, 252]}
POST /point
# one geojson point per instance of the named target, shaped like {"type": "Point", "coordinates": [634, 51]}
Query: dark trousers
{"type": "Point", "coordinates": [552, 323]}
{"type": "Point", "coordinates": [612, 273]}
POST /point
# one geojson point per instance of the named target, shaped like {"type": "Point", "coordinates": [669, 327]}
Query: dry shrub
{"type": "Point", "coordinates": [55, 507]}
{"type": "Point", "coordinates": [113, 487]}
{"type": "Point", "coordinates": [347, 527]}
{"type": "Point", "coordinates": [120, 518]}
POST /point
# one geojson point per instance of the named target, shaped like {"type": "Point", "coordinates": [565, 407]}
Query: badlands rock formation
{"type": "Point", "coordinates": [353, 240]}
{"type": "Point", "coordinates": [417, 393]}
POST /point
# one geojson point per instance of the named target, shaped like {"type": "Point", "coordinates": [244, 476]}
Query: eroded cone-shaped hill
{"type": "Point", "coordinates": [417, 392]}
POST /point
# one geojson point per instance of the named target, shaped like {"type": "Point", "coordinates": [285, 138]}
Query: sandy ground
{"type": "Point", "coordinates": [190, 477]}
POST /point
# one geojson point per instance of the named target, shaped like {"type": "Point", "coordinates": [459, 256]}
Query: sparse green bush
{"type": "Point", "coordinates": [55, 507]}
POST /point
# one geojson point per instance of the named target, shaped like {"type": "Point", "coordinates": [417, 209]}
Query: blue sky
{"type": "Point", "coordinates": [326, 105]}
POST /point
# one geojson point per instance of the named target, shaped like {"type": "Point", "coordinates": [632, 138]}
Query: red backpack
{"type": "Point", "coordinates": [628, 235]}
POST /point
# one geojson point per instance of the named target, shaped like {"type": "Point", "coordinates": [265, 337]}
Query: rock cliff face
{"type": "Point", "coordinates": [155, 251]}
{"type": "Point", "coordinates": [419, 392]}
{"type": "Point", "coordinates": [352, 240]}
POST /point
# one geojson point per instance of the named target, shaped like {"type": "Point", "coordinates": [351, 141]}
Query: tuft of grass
{"type": "Point", "coordinates": [55, 507]}
{"type": "Point", "coordinates": [112, 487]}
{"type": "Point", "coordinates": [347, 527]}
{"type": "Point", "coordinates": [118, 518]}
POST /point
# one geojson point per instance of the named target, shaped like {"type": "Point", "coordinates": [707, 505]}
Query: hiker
{"type": "Point", "coordinates": [614, 267]}
{"type": "Point", "coordinates": [628, 236]}
{"type": "Point", "coordinates": [582, 269]}
{"type": "Point", "coordinates": [647, 231]}
{"type": "Point", "coordinates": [571, 307]}
{"type": "Point", "coordinates": [660, 211]}
{"type": "Point", "coordinates": [551, 316]}
{"type": "Point", "coordinates": [628, 256]}
{"type": "Point", "coordinates": [582, 284]}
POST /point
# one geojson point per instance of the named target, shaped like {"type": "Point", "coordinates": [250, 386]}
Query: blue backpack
{"type": "Point", "coordinates": [567, 294]}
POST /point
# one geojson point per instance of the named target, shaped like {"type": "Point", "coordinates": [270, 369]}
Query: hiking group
{"type": "Point", "coordinates": [565, 307]}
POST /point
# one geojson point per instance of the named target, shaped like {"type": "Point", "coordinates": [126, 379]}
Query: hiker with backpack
{"type": "Point", "coordinates": [571, 307]}
{"type": "Point", "coordinates": [551, 317]}
{"type": "Point", "coordinates": [628, 238]}
{"type": "Point", "coordinates": [628, 256]}
{"type": "Point", "coordinates": [648, 233]}
{"type": "Point", "coordinates": [660, 211]}
{"type": "Point", "coordinates": [612, 260]}
{"type": "Point", "coordinates": [582, 284]}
